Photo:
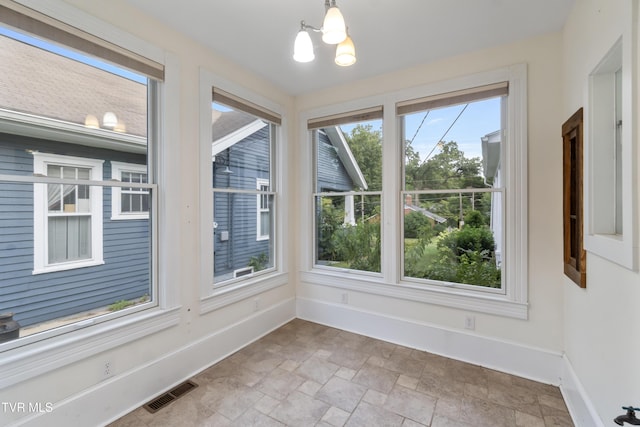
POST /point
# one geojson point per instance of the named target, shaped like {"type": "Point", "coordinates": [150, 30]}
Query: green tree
{"type": "Point", "coordinates": [366, 145]}
{"type": "Point", "coordinates": [447, 169]}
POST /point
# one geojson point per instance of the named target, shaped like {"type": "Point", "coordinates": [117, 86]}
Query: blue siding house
{"type": "Point", "coordinates": [70, 250]}
{"type": "Point", "coordinates": [241, 150]}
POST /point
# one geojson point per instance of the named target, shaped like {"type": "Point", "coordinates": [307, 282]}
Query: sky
{"type": "Point", "coordinates": [475, 121]}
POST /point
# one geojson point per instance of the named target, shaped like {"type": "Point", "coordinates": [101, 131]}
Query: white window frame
{"type": "Point", "coordinates": [260, 183]}
{"type": "Point", "coordinates": [116, 201]}
{"type": "Point", "coordinates": [41, 218]}
{"type": "Point", "coordinates": [216, 296]}
{"type": "Point", "coordinates": [499, 235]}
{"type": "Point", "coordinates": [611, 205]}
{"type": "Point", "coordinates": [514, 301]}
{"type": "Point", "coordinates": [38, 354]}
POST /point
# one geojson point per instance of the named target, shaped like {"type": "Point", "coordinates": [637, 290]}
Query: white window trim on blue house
{"type": "Point", "coordinates": [116, 201]}
{"type": "Point", "coordinates": [41, 215]}
{"type": "Point", "coordinates": [260, 209]}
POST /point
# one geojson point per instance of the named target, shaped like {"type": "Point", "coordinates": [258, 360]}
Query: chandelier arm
{"type": "Point", "coordinates": [305, 26]}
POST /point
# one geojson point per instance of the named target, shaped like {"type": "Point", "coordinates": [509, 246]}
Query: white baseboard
{"type": "Point", "coordinates": [513, 358]}
{"type": "Point", "coordinates": [109, 400]}
{"type": "Point", "coordinates": [580, 407]}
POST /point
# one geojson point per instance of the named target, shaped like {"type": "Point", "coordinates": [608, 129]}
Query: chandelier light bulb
{"type": "Point", "coordinates": [346, 53]}
{"type": "Point", "coordinates": [303, 47]}
{"type": "Point", "coordinates": [334, 29]}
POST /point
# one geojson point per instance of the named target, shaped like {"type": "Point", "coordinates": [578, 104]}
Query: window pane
{"type": "Point", "coordinates": [69, 238]}
{"type": "Point", "coordinates": [235, 245]}
{"type": "Point", "coordinates": [348, 234]}
{"type": "Point", "coordinates": [452, 235]}
{"type": "Point", "coordinates": [242, 149]}
{"type": "Point", "coordinates": [348, 159]}
{"type": "Point", "coordinates": [63, 255]}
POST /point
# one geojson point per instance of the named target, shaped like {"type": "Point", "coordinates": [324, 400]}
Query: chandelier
{"type": "Point", "coordinates": [334, 31]}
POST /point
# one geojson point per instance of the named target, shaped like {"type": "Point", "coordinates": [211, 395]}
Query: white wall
{"type": "Point", "coordinates": [598, 335]}
{"type": "Point", "coordinates": [148, 366]}
{"type": "Point", "coordinates": [602, 343]}
{"type": "Point", "coordinates": [543, 329]}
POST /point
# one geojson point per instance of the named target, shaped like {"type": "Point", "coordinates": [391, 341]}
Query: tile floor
{"type": "Point", "coordinates": [305, 374]}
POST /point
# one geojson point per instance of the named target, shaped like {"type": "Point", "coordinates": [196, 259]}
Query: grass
{"type": "Point", "coordinates": [122, 304]}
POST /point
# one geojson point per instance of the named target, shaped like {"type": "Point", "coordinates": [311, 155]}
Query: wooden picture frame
{"type": "Point", "coordinates": [573, 206]}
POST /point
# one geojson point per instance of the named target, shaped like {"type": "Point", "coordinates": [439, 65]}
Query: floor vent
{"type": "Point", "coordinates": [160, 402]}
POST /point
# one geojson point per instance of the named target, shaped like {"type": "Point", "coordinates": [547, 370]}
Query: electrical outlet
{"type": "Point", "coordinates": [107, 369]}
{"type": "Point", "coordinates": [345, 298]}
{"type": "Point", "coordinates": [470, 322]}
{"type": "Point", "coordinates": [256, 304]}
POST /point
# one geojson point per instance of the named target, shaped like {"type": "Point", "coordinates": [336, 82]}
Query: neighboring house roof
{"type": "Point", "coordinates": [491, 153]}
{"type": "Point", "coordinates": [423, 211]}
{"type": "Point", "coordinates": [67, 90]}
{"type": "Point", "coordinates": [231, 127]}
{"type": "Point", "coordinates": [336, 137]}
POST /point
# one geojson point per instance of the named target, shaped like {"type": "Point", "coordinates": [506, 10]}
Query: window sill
{"type": "Point", "coordinates": [31, 360]}
{"type": "Point", "coordinates": [482, 302]}
{"type": "Point", "coordinates": [616, 248]}
{"type": "Point", "coordinates": [232, 293]}
{"type": "Point", "coordinates": [129, 217]}
{"type": "Point", "coordinates": [67, 266]}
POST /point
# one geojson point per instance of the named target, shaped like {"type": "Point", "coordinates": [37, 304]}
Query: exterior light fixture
{"type": "Point", "coordinates": [109, 120]}
{"type": "Point", "coordinates": [334, 31]}
{"type": "Point", "coordinates": [91, 121]}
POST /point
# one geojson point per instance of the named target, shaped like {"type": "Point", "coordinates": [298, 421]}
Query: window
{"type": "Point", "coordinates": [611, 196]}
{"type": "Point", "coordinates": [129, 202]}
{"type": "Point", "coordinates": [348, 189]}
{"type": "Point", "coordinates": [454, 187]}
{"type": "Point", "coordinates": [264, 212]}
{"type": "Point", "coordinates": [67, 217]}
{"type": "Point", "coordinates": [242, 152]}
{"type": "Point", "coordinates": [66, 115]}
{"type": "Point", "coordinates": [448, 223]}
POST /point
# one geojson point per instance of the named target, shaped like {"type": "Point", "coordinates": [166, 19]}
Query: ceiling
{"type": "Point", "coordinates": [388, 34]}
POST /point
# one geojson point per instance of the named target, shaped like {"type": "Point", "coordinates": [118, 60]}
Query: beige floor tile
{"type": "Point", "coordinates": [527, 420]}
{"type": "Point", "coordinates": [336, 417]}
{"type": "Point", "coordinates": [346, 373]}
{"type": "Point", "coordinates": [310, 387]}
{"type": "Point", "coordinates": [377, 378]}
{"type": "Point", "coordinates": [305, 374]}
{"type": "Point", "coordinates": [255, 418]}
{"type": "Point", "coordinates": [266, 404]}
{"type": "Point", "coordinates": [341, 393]}
{"type": "Point", "coordinates": [298, 409]}
{"type": "Point", "coordinates": [411, 404]}
{"type": "Point", "coordinates": [367, 415]}
{"type": "Point", "coordinates": [407, 382]}
{"type": "Point", "coordinates": [279, 383]}
{"type": "Point", "coordinates": [374, 397]}
{"type": "Point", "coordinates": [410, 423]}
{"type": "Point", "coordinates": [318, 370]}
